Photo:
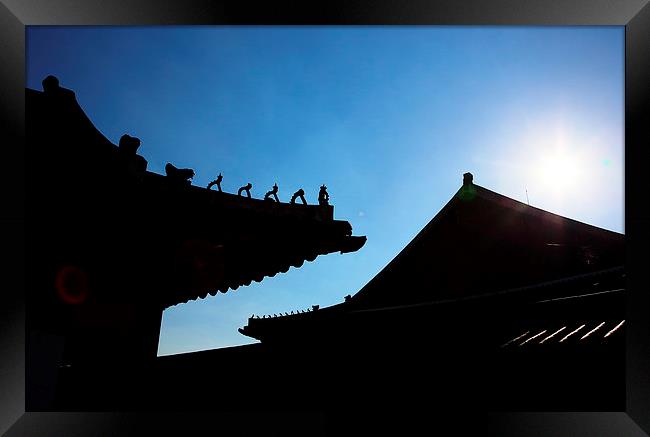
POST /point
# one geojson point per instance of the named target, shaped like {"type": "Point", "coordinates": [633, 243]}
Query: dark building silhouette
{"type": "Point", "coordinates": [116, 244]}
{"type": "Point", "coordinates": [513, 306]}
{"type": "Point", "coordinates": [493, 305]}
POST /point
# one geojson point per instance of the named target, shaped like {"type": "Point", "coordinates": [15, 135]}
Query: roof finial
{"type": "Point", "coordinates": [246, 188]}
{"type": "Point", "coordinates": [323, 196]}
{"type": "Point", "coordinates": [468, 178]}
{"type": "Point", "coordinates": [273, 192]}
{"type": "Point", "coordinates": [216, 182]}
{"type": "Point", "coordinates": [299, 194]}
{"type": "Point", "coordinates": [50, 84]}
{"type": "Point", "coordinates": [179, 175]}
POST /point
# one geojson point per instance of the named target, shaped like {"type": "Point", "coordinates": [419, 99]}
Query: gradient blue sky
{"type": "Point", "coordinates": [389, 118]}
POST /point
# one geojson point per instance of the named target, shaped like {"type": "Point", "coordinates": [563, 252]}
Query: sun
{"type": "Point", "coordinates": [560, 170]}
{"type": "Point", "coordinates": [558, 160]}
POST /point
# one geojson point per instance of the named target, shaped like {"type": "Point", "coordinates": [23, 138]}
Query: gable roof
{"type": "Point", "coordinates": [481, 246]}
{"type": "Point", "coordinates": [482, 242]}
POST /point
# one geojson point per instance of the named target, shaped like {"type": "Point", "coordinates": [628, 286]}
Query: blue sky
{"type": "Point", "coordinates": [389, 118]}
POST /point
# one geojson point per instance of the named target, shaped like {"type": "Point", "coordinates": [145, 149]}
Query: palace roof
{"type": "Point", "coordinates": [481, 247]}
{"type": "Point", "coordinates": [98, 199]}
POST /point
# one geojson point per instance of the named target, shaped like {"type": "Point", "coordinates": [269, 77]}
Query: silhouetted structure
{"type": "Point", "coordinates": [52, 88]}
{"type": "Point", "coordinates": [216, 182]}
{"type": "Point", "coordinates": [179, 175]}
{"type": "Point", "coordinates": [273, 192]}
{"type": "Point", "coordinates": [50, 84]}
{"type": "Point", "coordinates": [494, 303]}
{"type": "Point", "coordinates": [323, 197]}
{"type": "Point", "coordinates": [134, 164]}
{"type": "Point", "coordinates": [247, 189]}
{"type": "Point", "coordinates": [299, 194]}
{"type": "Point", "coordinates": [128, 144]}
{"type": "Point", "coordinates": [111, 252]}
{"type": "Point", "coordinates": [485, 270]}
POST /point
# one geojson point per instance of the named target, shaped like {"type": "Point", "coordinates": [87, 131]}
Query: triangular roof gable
{"type": "Point", "coordinates": [482, 242]}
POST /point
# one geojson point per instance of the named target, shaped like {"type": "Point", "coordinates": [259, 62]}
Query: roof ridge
{"type": "Point", "coordinates": [482, 191]}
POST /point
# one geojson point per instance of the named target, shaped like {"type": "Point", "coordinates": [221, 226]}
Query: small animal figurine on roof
{"type": "Point", "coordinates": [129, 144]}
{"type": "Point", "coordinates": [216, 182]}
{"type": "Point", "coordinates": [273, 192]}
{"type": "Point", "coordinates": [323, 197]}
{"type": "Point", "coordinates": [52, 88]}
{"type": "Point", "coordinates": [50, 84]}
{"type": "Point", "coordinates": [134, 163]}
{"type": "Point", "coordinates": [182, 175]}
{"type": "Point", "coordinates": [246, 188]}
{"type": "Point", "coordinates": [300, 193]}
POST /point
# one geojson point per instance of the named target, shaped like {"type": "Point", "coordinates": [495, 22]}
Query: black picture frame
{"type": "Point", "coordinates": [16, 14]}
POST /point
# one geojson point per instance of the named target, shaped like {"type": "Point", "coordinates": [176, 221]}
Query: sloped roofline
{"type": "Point", "coordinates": [329, 235]}
{"type": "Point", "coordinates": [532, 210]}
{"type": "Point", "coordinates": [489, 195]}
{"type": "Point", "coordinates": [473, 191]}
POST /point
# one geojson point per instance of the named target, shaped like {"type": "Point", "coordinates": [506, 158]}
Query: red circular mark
{"type": "Point", "coordinates": [72, 285]}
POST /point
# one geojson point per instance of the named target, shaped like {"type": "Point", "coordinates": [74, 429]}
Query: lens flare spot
{"type": "Point", "coordinates": [467, 193]}
{"type": "Point", "coordinates": [72, 285]}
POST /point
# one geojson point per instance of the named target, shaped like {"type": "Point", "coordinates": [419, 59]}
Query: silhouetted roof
{"type": "Point", "coordinates": [482, 242]}
{"type": "Point", "coordinates": [480, 245]}
{"type": "Point", "coordinates": [593, 296]}
{"type": "Point", "coordinates": [190, 241]}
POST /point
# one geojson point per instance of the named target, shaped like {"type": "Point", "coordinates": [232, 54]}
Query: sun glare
{"type": "Point", "coordinates": [559, 160]}
{"type": "Point", "coordinates": [559, 171]}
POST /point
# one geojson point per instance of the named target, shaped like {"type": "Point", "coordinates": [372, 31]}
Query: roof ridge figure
{"type": "Point", "coordinates": [216, 182]}
{"type": "Point", "coordinates": [273, 192]}
{"type": "Point", "coordinates": [299, 194]}
{"type": "Point", "coordinates": [179, 175]}
{"type": "Point", "coordinates": [246, 188]}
